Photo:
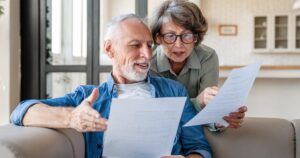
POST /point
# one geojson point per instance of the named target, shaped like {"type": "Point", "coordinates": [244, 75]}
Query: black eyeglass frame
{"type": "Point", "coordinates": [180, 36]}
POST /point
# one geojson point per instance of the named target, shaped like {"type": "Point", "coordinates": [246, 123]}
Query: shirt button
{"type": "Point", "coordinates": [99, 146]}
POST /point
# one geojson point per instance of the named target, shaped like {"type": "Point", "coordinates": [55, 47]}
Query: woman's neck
{"type": "Point", "coordinates": [177, 66]}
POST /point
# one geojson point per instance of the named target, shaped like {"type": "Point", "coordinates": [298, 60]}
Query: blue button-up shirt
{"type": "Point", "coordinates": [188, 139]}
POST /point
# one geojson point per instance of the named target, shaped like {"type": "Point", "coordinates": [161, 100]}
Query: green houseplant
{"type": "Point", "coordinates": [1, 10]}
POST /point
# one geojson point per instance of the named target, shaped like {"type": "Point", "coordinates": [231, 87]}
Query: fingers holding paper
{"type": "Point", "coordinates": [235, 119]}
{"type": "Point", "coordinates": [207, 95]}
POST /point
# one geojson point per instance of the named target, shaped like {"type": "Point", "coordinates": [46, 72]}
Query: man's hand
{"type": "Point", "coordinates": [207, 95]}
{"type": "Point", "coordinates": [84, 118]}
{"type": "Point", "coordinates": [235, 119]}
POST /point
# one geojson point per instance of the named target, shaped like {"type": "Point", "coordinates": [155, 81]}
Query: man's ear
{"type": "Point", "coordinates": [108, 48]}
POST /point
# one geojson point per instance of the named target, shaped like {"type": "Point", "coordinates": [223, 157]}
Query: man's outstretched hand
{"type": "Point", "coordinates": [84, 118]}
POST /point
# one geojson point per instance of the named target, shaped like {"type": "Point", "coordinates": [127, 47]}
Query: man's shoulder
{"type": "Point", "coordinates": [166, 82]}
{"type": "Point", "coordinates": [163, 79]}
{"type": "Point", "coordinates": [87, 89]}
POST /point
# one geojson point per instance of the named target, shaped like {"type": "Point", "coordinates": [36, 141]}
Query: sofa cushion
{"type": "Point", "coordinates": [258, 137]}
{"type": "Point", "coordinates": [296, 124]}
{"type": "Point", "coordinates": [34, 142]}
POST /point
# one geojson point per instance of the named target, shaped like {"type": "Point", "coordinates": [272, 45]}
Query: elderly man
{"type": "Point", "coordinates": [128, 43]}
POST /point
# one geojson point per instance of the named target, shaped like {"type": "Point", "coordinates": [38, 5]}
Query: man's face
{"type": "Point", "coordinates": [131, 52]}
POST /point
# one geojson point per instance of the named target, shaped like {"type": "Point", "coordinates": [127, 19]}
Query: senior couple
{"type": "Point", "coordinates": [178, 55]}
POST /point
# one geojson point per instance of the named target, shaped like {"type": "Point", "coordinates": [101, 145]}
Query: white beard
{"type": "Point", "coordinates": [130, 73]}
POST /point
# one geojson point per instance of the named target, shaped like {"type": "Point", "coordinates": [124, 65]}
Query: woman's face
{"type": "Point", "coordinates": [178, 51]}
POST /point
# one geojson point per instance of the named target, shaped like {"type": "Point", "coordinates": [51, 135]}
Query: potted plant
{"type": "Point", "coordinates": [1, 10]}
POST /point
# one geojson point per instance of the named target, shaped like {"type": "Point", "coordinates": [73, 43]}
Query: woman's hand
{"type": "Point", "coordinates": [207, 95]}
{"type": "Point", "coordinates": [235, 119]}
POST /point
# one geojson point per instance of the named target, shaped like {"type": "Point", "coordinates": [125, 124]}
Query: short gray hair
{"type": "Point", "coordinates": [183, 13]}
{"type": "Point", "coordinates": [112, 24]}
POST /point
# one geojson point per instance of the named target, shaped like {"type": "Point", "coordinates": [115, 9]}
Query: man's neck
{"type": "Point", "coordinates": [120, 79]}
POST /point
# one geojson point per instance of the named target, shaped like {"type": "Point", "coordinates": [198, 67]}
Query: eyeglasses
{"type": "Point", "coordinates": [186, 38]}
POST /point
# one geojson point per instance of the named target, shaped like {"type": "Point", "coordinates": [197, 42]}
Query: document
{"type": "Point", "coordinates": [230, 97]}
{"type": "Point", "coordinates": [142, 127]}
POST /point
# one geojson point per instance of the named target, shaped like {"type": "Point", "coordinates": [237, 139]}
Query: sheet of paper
{"type": "Point", "coordinates": [142, 127]}
{"type": "Point", "coordinates": [230, 97]}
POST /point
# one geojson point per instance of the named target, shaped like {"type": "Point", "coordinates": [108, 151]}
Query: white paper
{"type": "Point", "coordinates": [142, 127]}
{"type": "Point", "coordinates": [230, 97]}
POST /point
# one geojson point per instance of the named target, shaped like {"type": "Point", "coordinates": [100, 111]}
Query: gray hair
{"type": "Point", "coordinates": [114, 23]}
{"type": "Point", "coordinates": [183, 13]}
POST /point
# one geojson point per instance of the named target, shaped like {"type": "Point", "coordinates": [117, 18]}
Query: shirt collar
{"type": "Point", "coordinates": [193, 61]}
{"type": "Point", "coordinates": [112, 88]}
{"type": "Point", "coordinates": [110, 83]}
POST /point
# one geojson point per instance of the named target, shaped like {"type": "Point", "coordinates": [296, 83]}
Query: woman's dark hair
{"type": "Point", "coordinates": [183, 13]}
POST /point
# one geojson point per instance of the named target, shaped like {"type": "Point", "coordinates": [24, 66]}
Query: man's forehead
{"type": "Point", "coordinates": [133, 29]}
{"type": "Point", "coordinates": [134, 24]}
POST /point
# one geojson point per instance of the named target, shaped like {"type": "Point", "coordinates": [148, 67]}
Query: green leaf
{"type": "Point", "coordinates": [1, 10]}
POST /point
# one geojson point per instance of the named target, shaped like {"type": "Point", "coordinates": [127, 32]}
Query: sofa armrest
{"type": "Point", "coordinates": [35, 142]}
{"type": "Point", "coordinates": [258, 137]}
{"type": "Point", "coordinates": [296, 124]}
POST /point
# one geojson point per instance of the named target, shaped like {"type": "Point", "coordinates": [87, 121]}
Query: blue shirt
{"type": "Point", "coordinates": [188, 139]}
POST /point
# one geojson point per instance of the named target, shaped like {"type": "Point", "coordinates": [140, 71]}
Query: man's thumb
{"type": "Point", "coordinates": [93, 96]}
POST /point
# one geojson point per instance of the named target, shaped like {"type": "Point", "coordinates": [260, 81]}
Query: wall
{"type": "Point", "coordinates": [9, 58]}
{"type": "Point", "coordinates": [237, 50]}
{"type": "Point", "coordinates": [276, 96]}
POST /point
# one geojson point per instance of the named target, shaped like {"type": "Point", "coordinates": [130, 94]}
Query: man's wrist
{"type": "Point", "coordinates": [67, 112]}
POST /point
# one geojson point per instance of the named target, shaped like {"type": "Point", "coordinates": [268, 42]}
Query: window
{"type": "Point", "coordinates": [60, 44]}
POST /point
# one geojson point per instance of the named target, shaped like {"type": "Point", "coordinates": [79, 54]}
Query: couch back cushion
{"type": "Point", "coordinates": [296, 124]}
{"type": "Point", "coordinates": [34, 142]}
{"type": "Point", "coordinates": [257, 138]}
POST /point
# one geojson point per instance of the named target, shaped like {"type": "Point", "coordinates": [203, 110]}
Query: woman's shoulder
{"type": "Point", "coordinates": [205, 52]}
{"type": "Point", "coordinates": [204, 49]}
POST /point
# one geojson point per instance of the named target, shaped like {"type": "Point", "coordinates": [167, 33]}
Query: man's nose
{"type": "Point", "coordinates": [146, 52]}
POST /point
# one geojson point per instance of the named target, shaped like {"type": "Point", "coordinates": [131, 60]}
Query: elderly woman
{"type": "Point", "coordinates": [178, 28]}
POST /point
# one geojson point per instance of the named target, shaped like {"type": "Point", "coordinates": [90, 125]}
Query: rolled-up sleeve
{"type": "Point", "coordinates": [69, 100]}
{"type": "Point", "coordinates": [18, 114]}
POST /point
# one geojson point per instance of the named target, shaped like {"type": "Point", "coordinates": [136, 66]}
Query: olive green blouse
{"type": "Point", "coordinates": [200, 71]}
